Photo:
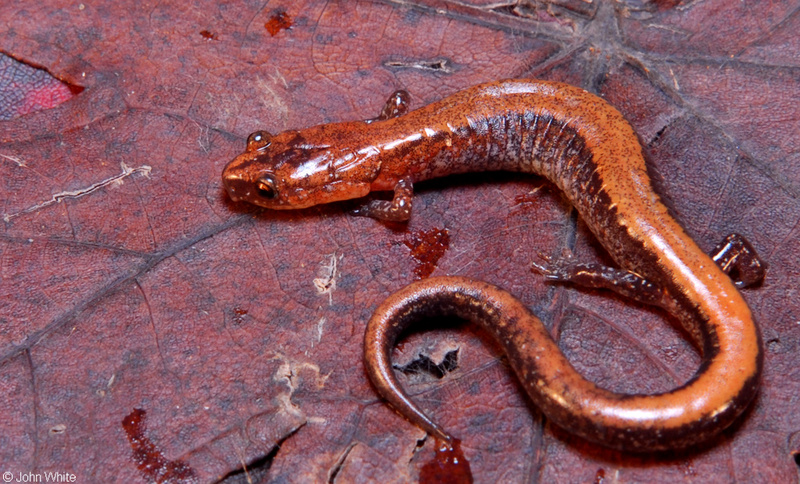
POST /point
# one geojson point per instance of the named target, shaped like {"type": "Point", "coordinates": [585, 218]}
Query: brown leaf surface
{"type": "Point", "coordinates": [154, 331]}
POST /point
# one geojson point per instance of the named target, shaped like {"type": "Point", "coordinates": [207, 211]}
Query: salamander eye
{"type": "Point", "coordinates": [258, 140]}
{"type": "Point", "coordinates": [266, 187]}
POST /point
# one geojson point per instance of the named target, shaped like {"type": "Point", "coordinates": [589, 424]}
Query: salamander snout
{"type": "Point", "coordinates": [236, 187]}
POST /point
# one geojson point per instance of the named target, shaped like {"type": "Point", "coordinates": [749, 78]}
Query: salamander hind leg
{"type": "Point", "coordinates": [734, 255]}
{"type": "Point", "coordinates": [737, 258]}
{"type": "Point", "coordinates": [398, 210]}
{"type": "Point", "coordinates": [598, 276]}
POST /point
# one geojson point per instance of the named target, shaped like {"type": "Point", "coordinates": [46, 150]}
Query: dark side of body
{"type": "Point", "coordinates": [585, 147]}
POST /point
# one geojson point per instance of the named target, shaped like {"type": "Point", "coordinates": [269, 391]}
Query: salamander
{"type": "Point", "coordinates": [586, 148]}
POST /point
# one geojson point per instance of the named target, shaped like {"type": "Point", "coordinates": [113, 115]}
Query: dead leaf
{"type": "Point", "coordinates": [131, 283]}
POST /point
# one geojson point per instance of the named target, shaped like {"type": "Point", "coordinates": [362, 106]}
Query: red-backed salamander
{"type": "Point", "coordinates": [585, 147]}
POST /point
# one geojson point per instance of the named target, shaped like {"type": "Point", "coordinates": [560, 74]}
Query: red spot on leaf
{"type": "Point", "coordinates": [26, 89]}
{"type": "Point", "coordinates": [277, 22]}
{"type": "Point", "coordinates": [208, 35]}
{"type": "Point", "coordinates": [525, 198]}
{"type": "Point", "coordinates": [150, 461]}
{"type": "Point", "coordinates": [449, 466]}
{"type": "Point", "coordinates": [427, 247]}
{"type": "Point", "coordinates": [600, 476]}
{"type": "Point", "coordinates": [238, 315]}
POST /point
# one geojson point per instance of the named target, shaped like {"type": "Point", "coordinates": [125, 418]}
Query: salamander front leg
{"type": "Point", "coordinates": [398, 210]}
{"type": "Point", "coordinates": [396, 106]}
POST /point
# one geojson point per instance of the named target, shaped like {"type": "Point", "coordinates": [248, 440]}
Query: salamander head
{"type": "Point", "coordinates": [296, 170]}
